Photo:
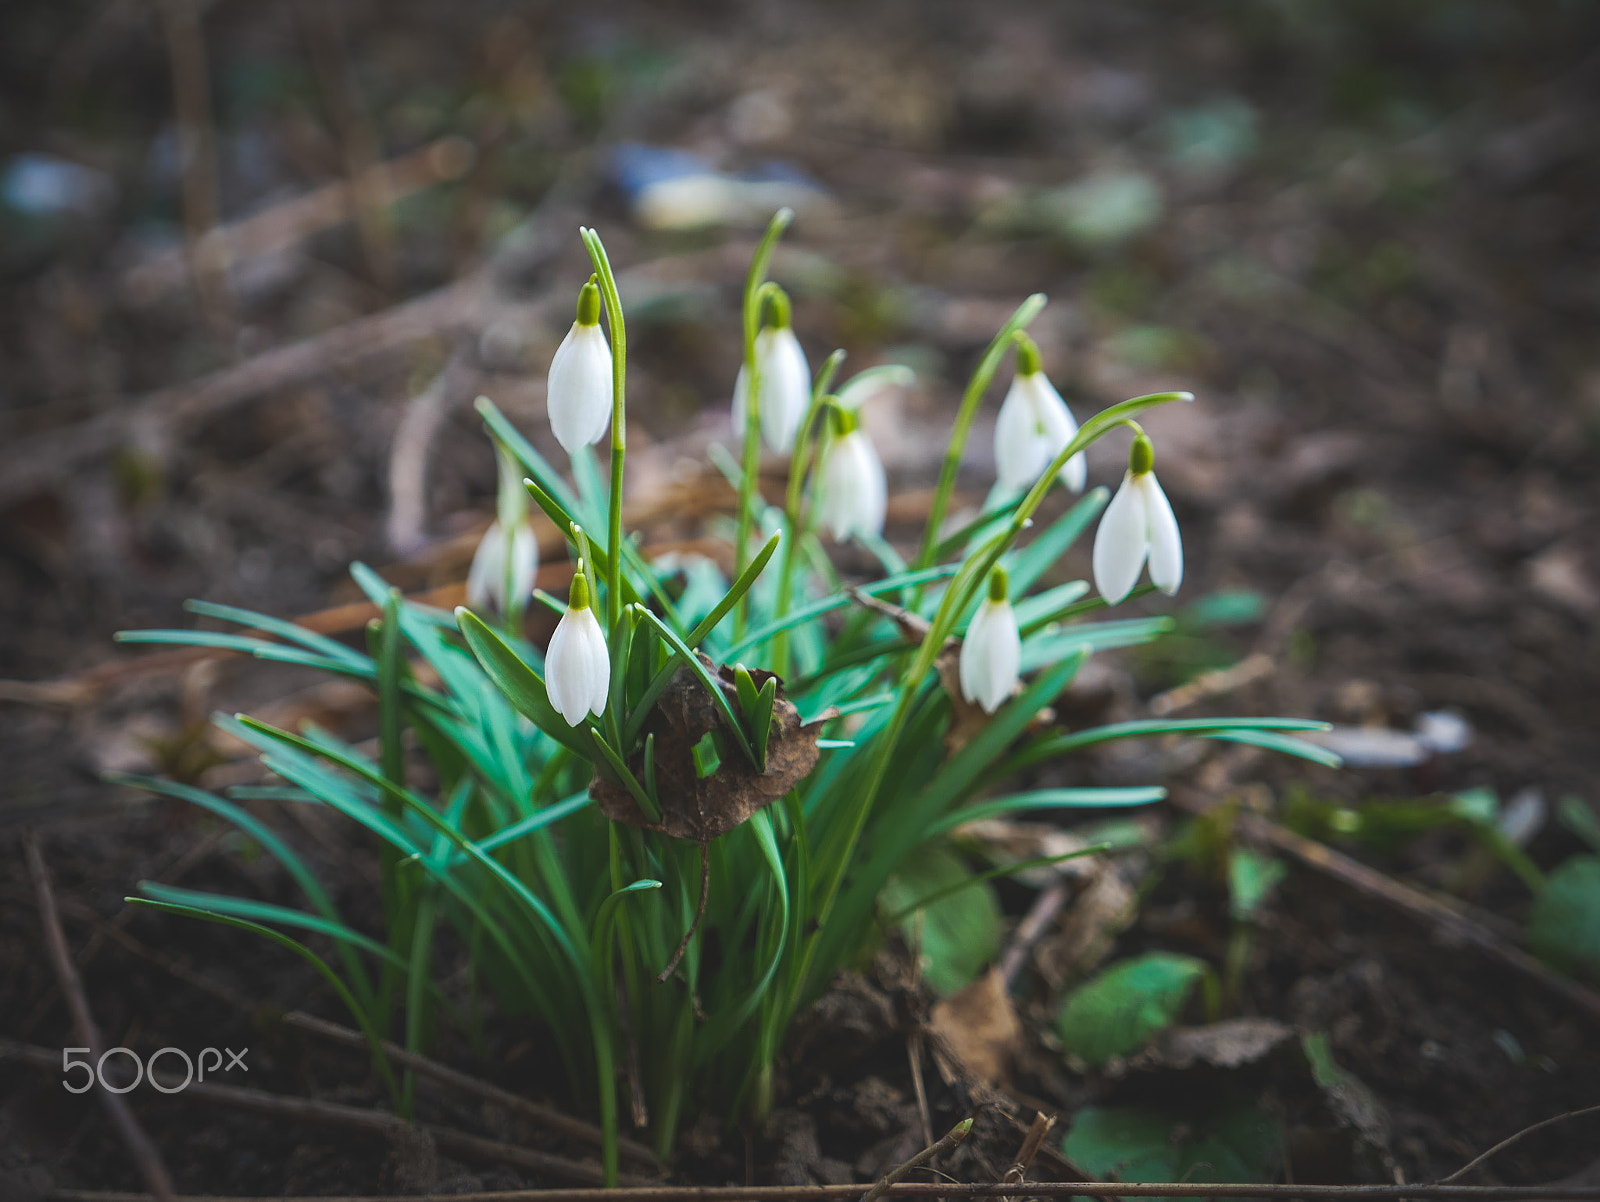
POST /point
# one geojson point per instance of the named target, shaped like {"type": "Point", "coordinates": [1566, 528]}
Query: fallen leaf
{"type": "Point", "coordinates": [699, 809]}
{"type": "Point", "coordinates": [980, 1026]}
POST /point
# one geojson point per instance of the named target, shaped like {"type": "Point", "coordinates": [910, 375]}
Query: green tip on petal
{"type": "Point", "coordinates": [578, 598]}
{"type": "Point", "coordinates": [1141, 456]}
{"type": "Point", "coordinates": [999, 584]}
{"type": "Point", "coordinates": [776, 311]}
{"type": "Point", "coordinates": [1027, 355]}
{"type": "Point", "coordinates": [589, 303]}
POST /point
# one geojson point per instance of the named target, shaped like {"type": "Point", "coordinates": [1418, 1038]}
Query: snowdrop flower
{"type": "Point", "coordinates": [852, 493]}
{"type": "Point", "coordinates": [504, 568]}
{"type": "Point", "coordinates": [1033, 426]}
{"type": "Point", "coordinates": [785, 389]}
{"type": "Point", "coordinates": [579, 394]}
{"type": "Point", "coordinates": [1137, 524]}
{"type": "Point", "coordinates": [506, 562]}
{"type": "Point", "coordinates": [577, 666]}
{"type": "Point", "coordinates": [991, 652]}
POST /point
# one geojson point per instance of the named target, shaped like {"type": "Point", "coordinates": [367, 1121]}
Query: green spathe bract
{"type": "Point", "coordinates": [574, 911]}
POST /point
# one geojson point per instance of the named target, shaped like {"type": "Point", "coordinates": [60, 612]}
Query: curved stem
{"type": "Point", "coordinates": [619, 421]}
{"type": "Point", "coordinates": [750, 458]}
{"type": "Point", "coordinates": [799, 460]}
{"type": "Point", "coordinates": [976, 386]}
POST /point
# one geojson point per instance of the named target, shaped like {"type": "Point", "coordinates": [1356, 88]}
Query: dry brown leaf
{"type": "Point", "coordinates": [701, 809]}
{"type": "Point", "coordinates": [980, 1026]}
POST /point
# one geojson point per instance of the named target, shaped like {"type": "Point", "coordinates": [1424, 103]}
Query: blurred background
{"type": "Point", "coordinates": [257, 259]}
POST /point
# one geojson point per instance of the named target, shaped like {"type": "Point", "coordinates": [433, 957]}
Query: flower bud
{"type": "Point", "coordinates": [1138, 525]}
{"type": "Point", "coordinates": [991, 652]}
{"type": "Point", "coordinates": [1033, 427]}
{"type": "Point", "coordinates": [785, 390]}
{"type": "Point", "coordinates": [577, 664]}
{"type": "Point", "coordinates": [852, 494]}
{"type": "Point", "coordinates": [579, 394]}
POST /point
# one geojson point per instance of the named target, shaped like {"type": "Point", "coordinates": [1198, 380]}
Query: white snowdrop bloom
{"type": "Point", "coordinates": [852, 493]}
{"type": "Point", "coordinates": [500, 581]}
{"type": "Point", "coordinates": [579, 393]}
{"type": "Point", "coordinates": [1138, 524]}
{"type": "Point", "coordinates": [1033, 426]}
{"type": "Point", "coordinates": [785, 389]}
{"type": "Point", "coordinates": [577, 665]}
{"type": "Point", "coordinates": [991, 652]}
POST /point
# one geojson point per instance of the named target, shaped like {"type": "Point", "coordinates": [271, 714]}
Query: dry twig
{"type": "Point", "coordinates": [952, 1138]}
{"type": "Point", "coordinates": [1452, 921]}
{"type": "Point", "coordinates": [1509, 1140]}
{"type": "Point", "coordinates": [335, 1114]}
{"type": "Point", "coordinates": [122, 1117]}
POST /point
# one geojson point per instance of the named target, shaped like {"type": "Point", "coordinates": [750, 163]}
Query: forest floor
{"type": "Point", "coordinates": [1362, 234]}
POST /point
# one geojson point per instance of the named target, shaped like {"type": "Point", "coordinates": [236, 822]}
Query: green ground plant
{"type": "Point", "coordinates": [659, 853]}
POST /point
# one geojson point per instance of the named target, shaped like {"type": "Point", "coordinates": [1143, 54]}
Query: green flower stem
{"type": "Point", "coordinates": [750, 459]}
{"type": "Point", "coordinates": [619, 420]}
{"type": "Point", "coordinates": [981, 377]}
{"type": "Point", "coordinates": [799, 461]}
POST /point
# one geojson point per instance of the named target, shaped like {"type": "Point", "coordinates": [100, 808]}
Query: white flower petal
{"type": "Point", "coordinates": [577, 666]}
{"type": "Point", "coordinates": [486, 576]}
{"type": "Point", "coordinates": [1020, 449]}
{"type": "Point", "coordinates": [1060, 427]}
{"type": "Point", "coordinates": [852, 493]}
{"type": "Point", "coordinates": [579, 393]}
{"type": "Point", "coordinates": [1166, 548]}
{"type": "Point", "coordinates": [785, 388]}
{"type": "Point", "coordinates": [524, 563]}
{"type": "Point", "coordinates": [1120, 544]}
{"type": "Point", "coordinates": [991, 656]}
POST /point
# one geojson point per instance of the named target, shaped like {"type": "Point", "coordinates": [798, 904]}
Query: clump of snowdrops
{"type": "Point", "coordinates": [664, 833]}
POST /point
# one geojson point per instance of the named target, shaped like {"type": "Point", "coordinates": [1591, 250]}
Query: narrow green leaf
{"type": "Point", "coordinates": [289, 631]}
{"type": "Point", "coordinates": [697, 666]}
{"type": "Point", "coordinates": [736, 591]}
{"type": "Point", "coordinates": [259, 911]}
{"type": "Point", "coordinates": [374, 1042]}
{"type": "Point", "coordinates": [1056, 745]}
{"type": "Point", "coordinates": [1047, 799]}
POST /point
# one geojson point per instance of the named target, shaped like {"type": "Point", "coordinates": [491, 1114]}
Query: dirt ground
{"type": "Point", "coordinates": [1363, 234]}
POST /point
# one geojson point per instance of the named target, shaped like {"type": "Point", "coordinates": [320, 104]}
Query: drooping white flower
{"type": "Point", "coordinates": [1033, 427]}
{"type": "Point", "coordinates": [1138, 524]}
{"type": "Point", "coordinates": [577, 665]}
{"type": "Point", "coordinates": [852, 495]}
{"type": "Point", "coordinates": [991, 652]}
{"type": "Point", "coordinates": [785, 388]}
{"type": "Point", "coordinates": [579, 393]}
{"type": "Point", "coordinates": [503, 569]}
{"type": "Point", "coordinates": [506, 563]}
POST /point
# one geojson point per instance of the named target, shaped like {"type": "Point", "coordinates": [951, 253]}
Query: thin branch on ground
{"type": "Point", "coordinates": [1032, 928]}
{"type": "Point", "coordinates": [355, 1118]}
{"type": "Point", "coordinates": [364, 175]}
{"type": "Point", "coordinates": [143, 1151]}
{"type": "Point", "coordinates": [426, 1067]}
{"type": "Point", "coordinates": [1452, 921]}
{"type": "Point", "coordinates": [1509, 1140]}
{"type": "Point", "coordinates": [952, 1139]}
{"type": "Point", "coordinates": [197, 154]}
{"type": "Point", "coordinates": [413, 442]}
{"type": "Point", "coordinates": [932, 1189]}
{"type": "Point", "coordinates": [1031, 1143]}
